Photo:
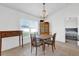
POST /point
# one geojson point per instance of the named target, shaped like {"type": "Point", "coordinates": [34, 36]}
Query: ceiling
{"type": "Point", "coordinates": [35, 9]}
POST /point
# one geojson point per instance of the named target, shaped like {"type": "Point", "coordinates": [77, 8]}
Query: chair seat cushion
{"type": "Point", "coordinates": [36, 44]}
{"type": "Point", "coordinates": [48, 42]}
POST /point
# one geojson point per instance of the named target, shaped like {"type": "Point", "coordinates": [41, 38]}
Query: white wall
{"type": "Point", "coordinates": [57, 20]}
{"type": "Point", "coordinates": [58, 27]}
{"type": "Point", "coordinates": [71, 22]}
{"type": "Point", "coordinates": [9, 20]}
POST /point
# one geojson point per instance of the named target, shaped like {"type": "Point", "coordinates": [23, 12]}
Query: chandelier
{"type": "Point", "coordinates": [44, 12]}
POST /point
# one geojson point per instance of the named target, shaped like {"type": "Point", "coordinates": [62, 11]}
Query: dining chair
{"type": "Point", "coordinates": [35, 42]}
{"type": "Point", "coordinates": [51, 41]}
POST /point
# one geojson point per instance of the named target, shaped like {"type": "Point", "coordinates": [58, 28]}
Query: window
{"type": "Point", "coordinates": [28, 26]}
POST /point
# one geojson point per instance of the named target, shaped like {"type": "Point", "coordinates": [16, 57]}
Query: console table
{"type": "Point", "coordinates": [4, 34]}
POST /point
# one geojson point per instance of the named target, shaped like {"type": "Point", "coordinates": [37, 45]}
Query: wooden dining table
{"type": "Point", "coordinates": [43, 38]}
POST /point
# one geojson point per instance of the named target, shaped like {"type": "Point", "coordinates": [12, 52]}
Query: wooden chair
{"type": "Point", "coordinates": [35, 42]}
{"type": "Point", "coordinates": [51, 41]}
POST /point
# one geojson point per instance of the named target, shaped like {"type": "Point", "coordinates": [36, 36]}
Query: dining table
{"type": "Point", "coordinates": [43, 38]}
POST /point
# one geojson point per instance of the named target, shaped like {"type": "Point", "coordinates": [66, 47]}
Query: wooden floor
{"type": "Point", "coordinates": [62, 49]}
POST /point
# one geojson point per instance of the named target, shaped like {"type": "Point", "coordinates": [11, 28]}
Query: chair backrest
{"type": "Point", "coordinates": [33, 39]}
{"type": "Point", "coordinates": [54, 36]}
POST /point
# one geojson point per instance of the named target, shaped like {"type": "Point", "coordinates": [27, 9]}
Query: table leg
{"type": "Point", "coordinates": [0, 45]}
{"type": "Point", "coordinates": [19, 41]}
{"type": "Point", "coordinates": [43, 47]}
{"type": "Point", "coordinates": [22, 40]}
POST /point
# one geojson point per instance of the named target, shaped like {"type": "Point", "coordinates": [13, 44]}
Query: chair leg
{"type": "Point", "coordinates": [36, 51]}
{"type": "Point", "coordinates": [54, 46]}
{"type": "Point", "coordinates": [31, 49]}
{"type": "Point", "coordinates": [52, 49]}
{"type": "Point", "coordinates": [48, 45]}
